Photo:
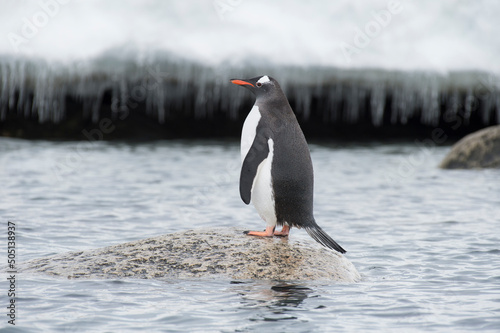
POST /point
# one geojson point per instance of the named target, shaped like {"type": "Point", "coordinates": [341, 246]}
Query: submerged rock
{"type": "Point", "coordinates": [202, 253]}
{"type": "Point", "coordinates": [478, 150]}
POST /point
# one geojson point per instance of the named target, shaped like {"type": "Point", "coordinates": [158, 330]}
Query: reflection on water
{"type": "Point", "coordinates": [281, 294]}
{"type": "Point", "coordinates": [290, 294]}
{"type": "Point", "coordinates": [274, 300]}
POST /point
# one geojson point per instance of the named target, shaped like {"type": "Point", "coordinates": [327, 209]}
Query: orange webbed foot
{"type": "Point", "coordinates": [269, 232]}
{"type": "Point", "coordinates": [285, 231]}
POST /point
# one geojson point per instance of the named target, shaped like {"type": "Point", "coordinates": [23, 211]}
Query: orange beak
{"type": "Point", "coordinates": [241, 83]}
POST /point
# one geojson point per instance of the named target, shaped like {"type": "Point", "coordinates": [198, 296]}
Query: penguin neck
{"type": "Point", "coordinates": [276, 102]}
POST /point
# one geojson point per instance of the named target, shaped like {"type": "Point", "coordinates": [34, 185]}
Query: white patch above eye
{"type": "Point", "coordinates": [264, 79]}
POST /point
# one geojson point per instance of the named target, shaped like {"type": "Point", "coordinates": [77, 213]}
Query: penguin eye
{"type": "Point", "coordinates": [258, 84]}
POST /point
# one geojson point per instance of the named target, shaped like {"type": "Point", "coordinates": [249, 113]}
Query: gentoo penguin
{"type": "Point", "coordinates": [277, 173]}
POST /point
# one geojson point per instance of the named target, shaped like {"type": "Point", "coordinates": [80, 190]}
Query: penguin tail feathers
{"type": "Point", "coordinates": [322, 237]}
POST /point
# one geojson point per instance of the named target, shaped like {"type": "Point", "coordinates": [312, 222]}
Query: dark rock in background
{"type": "Point", "coordinates": [478, 150]}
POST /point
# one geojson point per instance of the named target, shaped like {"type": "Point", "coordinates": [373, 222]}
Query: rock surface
{"type": "Point", "coordinates": [202, 253]}
{"type": "Point", "coordinates": [478, 150]}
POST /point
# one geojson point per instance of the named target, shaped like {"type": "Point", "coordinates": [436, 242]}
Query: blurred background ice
{"type": "Point", "coordinates": [372, 60]}
{"type": "Point", "coordinates": [430, 35]}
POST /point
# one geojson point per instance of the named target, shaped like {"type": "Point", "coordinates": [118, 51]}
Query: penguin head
{"type": "Point", "coordinates": [261, 85]}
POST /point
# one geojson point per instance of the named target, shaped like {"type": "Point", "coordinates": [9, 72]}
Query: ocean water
{"type": "Point", "coordinates": [426, 241]}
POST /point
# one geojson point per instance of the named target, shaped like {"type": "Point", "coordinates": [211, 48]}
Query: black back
{"type": "Point", "coordinates": [291, 171]}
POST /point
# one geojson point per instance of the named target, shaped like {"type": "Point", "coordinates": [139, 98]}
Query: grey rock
{"type": "Point", "coordinates": [477, 150]}
{"type": "Point", "coordinates": [202, 253]}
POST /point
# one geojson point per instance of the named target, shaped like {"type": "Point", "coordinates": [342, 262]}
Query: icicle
{"type": "Point", "coordinates": [3, 90]}
{"type": "Point", "coordinates": [377, 104]}
{"type": "Point", "coordinates": [497, 106]}
{"type": "Point", "coordinates": [36, 88]}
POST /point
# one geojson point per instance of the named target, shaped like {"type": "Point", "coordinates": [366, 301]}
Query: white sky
{"type": "Point", "coordinates": [427, 34]}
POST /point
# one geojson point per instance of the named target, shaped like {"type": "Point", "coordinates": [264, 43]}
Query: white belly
{"type": "Point", "coordinates": [262, 192]}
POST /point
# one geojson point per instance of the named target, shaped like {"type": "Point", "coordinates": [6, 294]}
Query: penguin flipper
{"type": "Point", "coordinates": [256, 154]}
